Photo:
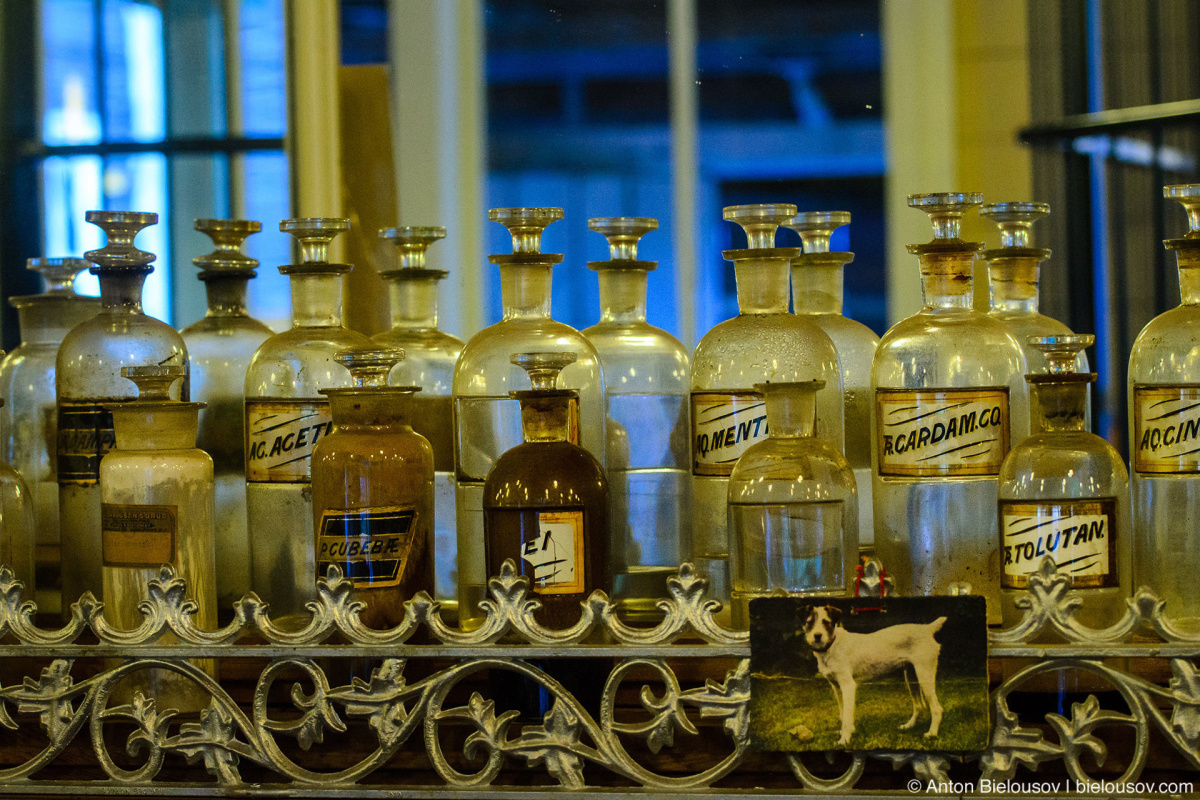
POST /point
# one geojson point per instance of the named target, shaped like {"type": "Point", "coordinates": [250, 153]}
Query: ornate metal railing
{"type": "Point", "coordinates": [570, 745]}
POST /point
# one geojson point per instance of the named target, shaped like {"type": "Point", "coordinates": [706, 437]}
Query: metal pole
{"type": "Point", "coordinates": [685, 116]}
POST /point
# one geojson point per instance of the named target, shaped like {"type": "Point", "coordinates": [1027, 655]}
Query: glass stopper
{"type": "Point", "coordinates": [1061, 350]}
{"type": "Point", "coordinates": [816, 228]}
{"type": "Point", "coordinates": [759, 221]}
{"type": "Point", "coordinates": [154, 381]}
{"type": "Point", "coordinates": [58, 273]}
{"type": "Point", "coordinates": [526, 225]}
{"type": "Point", "coordinates": [945, 210]}
{"type": "Point", "coordinates": [411, 243]}
{"type": "Point", "coordinates": [623, 234]}
{"type": "Point", "coordinates": [369, 367]}
{"type": "Point", "coordinates": [227, 236]}
{"type": "Point", "coordinates": [1015, 221]}
{"type": "Point", "coordinates": [1187, 195]}
{"type": "Point", "coordinates": [121, 227]}
{"type": "Point", "coordinates": [543, 368]}
{"type": "Point", "coordinates": [314, 235]}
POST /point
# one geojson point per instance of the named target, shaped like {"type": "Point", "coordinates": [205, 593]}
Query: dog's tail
{"type": "Point", "coordinates": [937, 624]}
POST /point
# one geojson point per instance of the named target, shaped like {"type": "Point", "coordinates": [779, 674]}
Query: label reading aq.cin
{"type": "Point", "coordinates": [725, 425]}
{"type": "Point", "coordinates": [371, 546]}
{"type": "Point", "coordinates": [140, 536]}
{"type": "Point", "coordinates": [928, 433]}
{"type": "Point", "coordinates": [1166, 429]}
{"type": "Point", "coordinates": [1079, 535]}
{"type": "Point", "coordinates": [280, 437]}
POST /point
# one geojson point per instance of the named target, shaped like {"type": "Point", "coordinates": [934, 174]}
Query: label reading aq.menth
{"type": "Point", "coordinates": [1078, 534]}
{"type": "Point", "coordinates": [1166, 429]}
{"type": "Point", "coordinates": [280, 437]}
{"type": "Point", "coordinates": [85, 435]}
{"type": "Point", "coordinates": [371, 546]}
{"type": "Point", "coordinates": [941, 432]}
{"type": "Point", "coordinates": [141, 536]}
{"type": "Point", "coordinates": [556, 554]}
{"type": "Point", "coordinates": [725, 425]}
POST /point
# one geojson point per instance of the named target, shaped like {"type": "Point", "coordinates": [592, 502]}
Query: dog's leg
{"type": "Point", "coordinates": [918, 697]}
{"type": "Point", "coordinates": [927, 678]}
{"type": "Point", "coordinates": [848, 700]}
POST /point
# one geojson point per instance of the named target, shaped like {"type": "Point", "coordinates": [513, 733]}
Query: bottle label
{"type": "Point", "coordinates": [280, 436]}
{"type": "Point", "coordinates": [371, 546]}
{"type": "Point", "coordinates": [141, 536]}
{"type": "Point", "coordinates": [724, 425]}
{"type": "Point", "coordinates": [1078, 534]}
{"type": "Point", "coordinates": [929, 433]}
{"type": "Point", "coordinates": [1166, 429]}
{"type": "Point", "coordinates": [85, 435]}
{"type": "Point", "coordinates": [556, 554]}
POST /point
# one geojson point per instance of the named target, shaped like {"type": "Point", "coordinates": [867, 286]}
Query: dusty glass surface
{"type": "Point", "coordinates": [18, 527]}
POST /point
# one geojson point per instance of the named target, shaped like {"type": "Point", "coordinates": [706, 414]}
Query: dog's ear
{"type": "Point", "coordinates": [835, 614]}
{"type": "Point", "coordinates": [802, 614]}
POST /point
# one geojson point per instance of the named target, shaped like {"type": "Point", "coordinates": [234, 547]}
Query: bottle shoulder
{"type": "Point", "coordinates": [640, 359]}
{"type": "Point", "coordinates": [1167, 350]}
{"type": "Point", "coordinates": [219, 328]}
{"type": "Point", "coordinates": [943, 350]}
{"type": "Point", "coordinates": [300, 361]}
{"type": "Point", "coordinates": [752, 348]}
{"type": "Point", "coordinates": [545, 474]}
{"type": "Point", "coordinates": [1064, 463]}
{"type": "Point", "coordinates": [91, 355]}
{"type": "Point", "coordinates": [424, 340]}
{"type": "Point", "coordinates": [485, 366]}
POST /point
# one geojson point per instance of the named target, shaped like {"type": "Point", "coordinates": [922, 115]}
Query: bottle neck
{"type": "Point", "coordinates": [547, 418]}
{"type": "Point", "coordinates": [1189, 275]}
{"type": "Point", "coordinates": [816, 289]}
{"type": "Point", "coordinates": [1013, 284]}
{"type": "Point", "coordinates": [121, 291]}
{"type": "Point", "coordinates": [791, 412]}
{"type": "Point", "coordinates": [316, 300]}
{"type": "Point", "coordinates": [414, 302]}
{"type": "Point", "coordinates": [525, 290]}
{"type": "Point", "coordinates": [762, 285]}
{"type": "Point", "coordinates": [622, 295]}
{"type": "Point", "coordinates": [226, 296]}
{"type": "Point", "coordinates": [1059, 405]}
{"type": "Point", "coordinates": [946, 280]}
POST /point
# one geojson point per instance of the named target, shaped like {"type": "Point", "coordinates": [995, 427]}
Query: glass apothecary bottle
{"type": "Point", "coordinates": [18, 527]}
{"type": "Point", "coordinates": [372, 485]}
{"type": "Point", "coordinates": [646, 379]}
{"type": "Point", "coordinates": [793, 508]}
{"type": "Point", "coordinates": [286, 416]}
{"type": "Point", "coordinates": [88, 382]}
{"type": "Point", "coordinates": [764, 342]}
{"type": "Point", "coordinates": [1164, 435]}
{"type": "Point", "coordinates": [27, 388]}
{"type": "Point", "coordinates": [1064, 493]}
{"type": "Point", "coordinates": [545, 502]}
{"type": "Point", "coordinates": [817, 294]}
{"type": "Point", "coordinates": [950, 402]}
{"type": "Point", "coordinates": [487, 420]}
{"type": "Point", "coordinates": [157, 508]}
{"type": "Point", "coordinates": [220, 347]}
{"type": "Point", "coordinates": [429, 359]}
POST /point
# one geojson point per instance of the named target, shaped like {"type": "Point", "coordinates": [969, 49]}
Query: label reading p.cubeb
{"type": "Point", "coordinates": [1078, 534]}
{"type": "Point", "coordinates": [85, 435]}
{"type": "Point", "coordinates": [556, 554]}
{"type": "Point", "coordinates": [280, 437]}
{"type": "Point", "coordinates": [724, 425]}
{"type": "Point", "coordinates": [1166, 429]}
{"type": "Point", "coordinates": [940, 432]}
{"type": "Point", "coordinates": [371, 546]}
{"type": "Point", "coordinates": [140, 536]}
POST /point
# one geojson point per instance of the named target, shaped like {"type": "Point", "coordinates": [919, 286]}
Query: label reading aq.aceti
{"type": "Point", "coordinates": [556, 554]}
{"type": "Point", "coordinates": [1166, 429]}
{"type": "Point", "coordinates": [280, 437]}
{"type": "Point", "coordinates": [724, 425]}
{"type": "Point", "coordinates": [941, 432]}
{"type": "Point", "coordinates": [1078, 534]}
{"type": "Point", "coordinates": [85, 435]}
{"type": "Point", "coordinates": [371, 546]}
{"type": "Point", "coordinates": [141, 536]}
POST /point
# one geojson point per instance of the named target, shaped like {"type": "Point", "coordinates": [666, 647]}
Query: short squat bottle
{"type": "Point", "coordinates": [646, 379]}
{"type": "Point", "coordinates": [1064, 493]}
{"type": "Point", "coordinates": [545, 502]}
{"type": "Point", "coordinates": [89, 383]}
{"type": "Point", "coordinates": [950, 402]}
{"type": "Point", "coordinates": [220, 347]}
{"type": "Point", "coordinates": [817, 295]}
{"type": "Point", "coordinates": [18, 528]}
{"type": "Point", "coordinates": [428, 363]}
{"type": "Point", "coordinates": [372, 482]}
{"type": "Point", "coordinates": [157, 508]}
{"type": "Point", "coordinates": [793, 508]}
{"type": "Point", "coordinates": [764, 342]}
{"type": "Point", "coordinates": [1164, 436]}
{"type": "Point", "coordinates": [27, 388]}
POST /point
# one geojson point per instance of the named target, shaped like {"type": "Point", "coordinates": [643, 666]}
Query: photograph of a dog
{"type": "Point", "coordinates": [868, 674]}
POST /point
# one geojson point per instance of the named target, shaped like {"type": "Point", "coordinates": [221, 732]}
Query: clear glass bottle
{"type": "Point", "coordinates": [646, 380]}
{"type": "Point", "coordinates": [1064, 493]}
{"type": "Point", "coordinates": [157, 508]}
{"type": "Point", "coordinates": [1164, 435]}
{"type": "Point", "coordinates": [27, 388]}
{"type": "Point", "coordinates": [286, 416]}
{"type": "Point", "coordinates": [18, 527]}
{"type": "Point", "coordinates": [372, 483]}
{"type": "Point", "coordinates": [429, 359]}
{"type": "Point", "coordinates": [793, 508]}
{"type": "Point", "coordinates": [220, 347]}
{"type": "Point", "coordinates": [764, 342]}
{"type": "Point", "coordinates": [817, 295]}
{"type": "Point", "coordinates": [545, 502]}
{"type": "Point", "coordinates": [88, 382]}
{"type": "Point", "coordinates": [950, 402]}
{"type": "Point", "coordinates": [487, 420]}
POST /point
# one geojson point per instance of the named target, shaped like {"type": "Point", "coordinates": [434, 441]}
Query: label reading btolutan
{"type": "Point", "coordinates": [1166, 429]}
{"type": "Point", "coordinates": [1078, 534]}
{"type": "Point", "coordinates": [556, 553]}
{"type": "Point", "coordinates": [724, 425]}
{"type": "Point", "coordinates": [372, 546]}
{"type": "Point", "coordinates": [942, 432]}
{"type": "Point", "coordinates": [280, 436]}
{"type": "Point", "coordinates": [137, 535]}
{"type": "Point", "coordinates": [85, 435]}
